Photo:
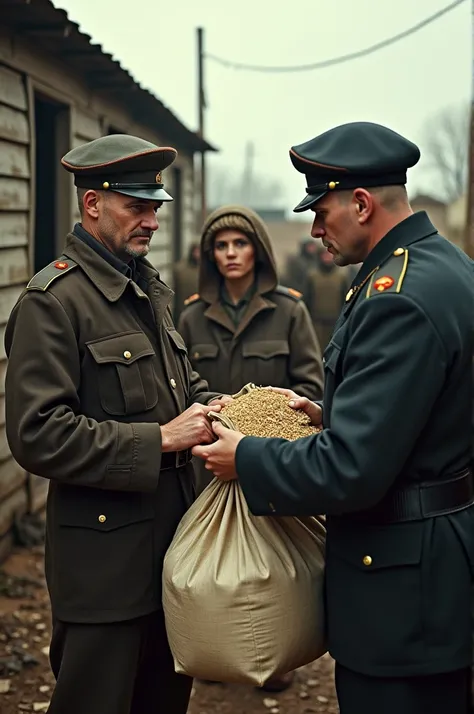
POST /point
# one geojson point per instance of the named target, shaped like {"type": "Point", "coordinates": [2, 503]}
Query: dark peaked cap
{"type": "Point", "coordinates": [122, 163]}
{"type": "Point", "coordinates": [360, 154]}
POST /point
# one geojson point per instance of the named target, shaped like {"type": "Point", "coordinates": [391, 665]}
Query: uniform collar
{"type": "Point", "coordinates": [126, 269]}
{"type": "Point", "coordinates": [411, 230]}
{"type": "Point", "coordinates": [107, 278]}
{"type": "Point", "coordinates": [225, 297]}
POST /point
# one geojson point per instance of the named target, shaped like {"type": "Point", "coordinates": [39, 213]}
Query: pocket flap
{"type": "Point", "coordinates": [102, 511]}
{"type": "Point", "coordinates": [125, 348]}
{"type": "Point", "coordinates": [204, 351]}
{"type": "Point", "coordinates": [177, 339]}
{"type": "Point", "coordinates": [374, 547]}
{"type": "Point", "coordinates": [266, 349]}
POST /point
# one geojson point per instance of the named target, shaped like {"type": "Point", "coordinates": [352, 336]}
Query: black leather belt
{"type": "Point", "coordinates": [175, 459]}
{"type": "Point", "coordinates": [421, 501]}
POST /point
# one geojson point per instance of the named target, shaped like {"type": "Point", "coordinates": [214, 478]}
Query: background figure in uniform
{"type": "Point", "coordinates": [243, 327]}
{"type": "Point", "coordinates": [185, 279]}
{"type": "Point", "coordinates": [327, 286]}
{"type": "Point", "coordinates": [102, 401]}
{"type": "Point", "coordinates": [392, 467]}
{"type": "Point", "coordinates": [297, 267]}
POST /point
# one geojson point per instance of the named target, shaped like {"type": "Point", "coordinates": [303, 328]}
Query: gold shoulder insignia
{"type": "Point", "coordinates": [289, 292]}
{"type": "Point", "coordinates": [295, 293]}
{"type": "Point", "coordinates": [390, 276]}
{"type": "Point", "coordinates": [191, 299]}
{"type": "Point", "coordinates": [53, 271]}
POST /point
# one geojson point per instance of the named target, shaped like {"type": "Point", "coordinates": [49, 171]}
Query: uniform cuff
{"type": "Point", "coordinates": [138, 461]}
{"type": "Point", "coordinates": [247, 458]}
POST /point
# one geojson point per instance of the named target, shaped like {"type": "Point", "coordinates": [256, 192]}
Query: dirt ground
{"type": "Point", "coordinates": [26, 682]}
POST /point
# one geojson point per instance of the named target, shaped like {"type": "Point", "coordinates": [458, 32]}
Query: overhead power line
{"type": "Point", "coordinates": [343, 58]}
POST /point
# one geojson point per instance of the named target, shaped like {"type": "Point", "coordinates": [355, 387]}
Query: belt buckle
{"type": "Point", "coordinates": [182, 458]}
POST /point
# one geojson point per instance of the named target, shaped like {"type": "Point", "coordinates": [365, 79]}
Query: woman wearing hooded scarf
{"type": "Point", "coordinates": [243, 327]}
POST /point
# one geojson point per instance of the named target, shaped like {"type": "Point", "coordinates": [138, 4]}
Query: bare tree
{"type": "Point", "coordinates": [446, 149]}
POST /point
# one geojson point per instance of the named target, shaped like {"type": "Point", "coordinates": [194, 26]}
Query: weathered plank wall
{"type": "Point", "coordinates": [14, 269]}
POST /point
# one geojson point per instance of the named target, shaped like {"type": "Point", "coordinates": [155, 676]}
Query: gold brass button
{"type": "Point", "coordinates": [173, 383]}
{"type": "Point", "coordinates": [398, 251]}
{"type": "Point", "coordinates": [127, 354]}
{"type": "Point", "coordinates": [196, 355]}
{"type": "Point", "coordinates": [102, 518]}
{"type": "Point", "coordinates": [367, 560]}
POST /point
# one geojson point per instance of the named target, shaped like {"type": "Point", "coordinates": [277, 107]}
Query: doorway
{"type": "Point", "coordinates": [52, 186]}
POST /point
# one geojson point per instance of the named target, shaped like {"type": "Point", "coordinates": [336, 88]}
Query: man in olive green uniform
{"type": "Point", "coordinates": [185, 279]}
{"type": "Point", "coordinates": [101, 400]}
{"type": "Point", "coordinates": [298, 266]}
{"type": "Point", "coordinates": [391, 467]}
{"type": "Point", "coordinates": [327, 286]}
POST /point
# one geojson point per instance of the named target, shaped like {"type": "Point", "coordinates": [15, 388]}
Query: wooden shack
{"type": "Point", "coordinates": [57, 91]}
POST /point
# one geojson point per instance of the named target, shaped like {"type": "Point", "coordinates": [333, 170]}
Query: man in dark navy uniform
{"type": "Point", "coordinates": [391, 467]}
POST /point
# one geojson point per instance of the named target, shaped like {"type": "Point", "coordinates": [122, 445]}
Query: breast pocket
{"type": "Point", "coordinates": [266, 362]}
{"type": "Point", "coordinates": [126, 377]}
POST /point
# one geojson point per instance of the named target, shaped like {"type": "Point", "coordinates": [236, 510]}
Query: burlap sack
{"type": "Point", "coordinates": [243, 595]}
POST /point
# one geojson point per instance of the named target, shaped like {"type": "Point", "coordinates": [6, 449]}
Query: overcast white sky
{"type": "Point", "coordinates": [401, 86]}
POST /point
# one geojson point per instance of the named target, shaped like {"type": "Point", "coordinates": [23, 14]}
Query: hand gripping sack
{"type": "Point", "coordinates": [243, 595]}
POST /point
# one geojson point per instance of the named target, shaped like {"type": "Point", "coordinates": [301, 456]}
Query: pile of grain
{"type": "Point", "coordinates": [262, 412]}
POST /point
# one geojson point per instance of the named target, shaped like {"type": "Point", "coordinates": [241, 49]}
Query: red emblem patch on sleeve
{"type": "Point", "coordinates": [60, 265]}
{"type": "Point", "coordinates": [383, 283]}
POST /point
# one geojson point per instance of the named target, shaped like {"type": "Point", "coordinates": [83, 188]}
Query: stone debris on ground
{"type": "Point", "coordinates": [263, 412]}
{"type": "Point", "coordinates": [5, 685]}
{"type": "Point", "coordinates": [31, 682]}
{"type": "Point", "coordinates": [270, 703]}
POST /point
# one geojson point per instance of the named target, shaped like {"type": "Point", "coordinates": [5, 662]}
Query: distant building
{"type": "Point", "coordinates": [456, 217]}
{"type": "Point", "coordinates": [449, 219]}
{"type": "Point", "coordinates": [435, 209]}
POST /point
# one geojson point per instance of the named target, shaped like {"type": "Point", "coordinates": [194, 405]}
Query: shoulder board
{"type": "Point", "coordinates": [53, 271]}
{"type": "Point", "coordinates": [289, 292]}
{"type": "Point", "coordinates": [191, 299]}
{"type": "Point", "coordinates": [390, 276]}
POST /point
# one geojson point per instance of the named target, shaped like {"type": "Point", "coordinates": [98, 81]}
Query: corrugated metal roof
{"type": "Point", "coordinates": [54, 32]}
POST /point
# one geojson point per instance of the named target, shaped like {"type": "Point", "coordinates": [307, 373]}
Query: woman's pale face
{"type": "Point", "coordinates": [234, 254]}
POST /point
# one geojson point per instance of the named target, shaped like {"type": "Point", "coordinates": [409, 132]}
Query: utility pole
{"type": "Point", "coordinates": [247, 176]}
{"type": "Point", "coordinates": [201, 108]}
{"type": "Point", "coordinates": [469, 236]}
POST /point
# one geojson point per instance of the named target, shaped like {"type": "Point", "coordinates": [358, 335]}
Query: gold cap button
{"type": "Point", "coordinates": [106, 185]}
{"type": "Point", "coordinates": [367, 560]}
{"type": "Point", "coordinates": [399, 251]}
{"type": "Point", "coordinates": [127, 354]}
{"type": "Point", "coordinates": [102, 518]}
{"type": "Point", "coordinates": [196, 355]}
{"type": "Point", "coordinates": [173, 383]}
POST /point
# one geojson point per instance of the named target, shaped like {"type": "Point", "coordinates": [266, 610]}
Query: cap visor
{"type": "Point", "coordinates": [147, 194]}
{"type": "Point", "coordinates": [308, 201]}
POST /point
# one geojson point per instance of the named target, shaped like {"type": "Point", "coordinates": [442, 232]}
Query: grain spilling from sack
{"type": "Point", "coordinates": [262, 412]}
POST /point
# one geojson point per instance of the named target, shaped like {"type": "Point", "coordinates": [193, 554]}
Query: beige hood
{"type": "Point", "coordinates": [209, 276]}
